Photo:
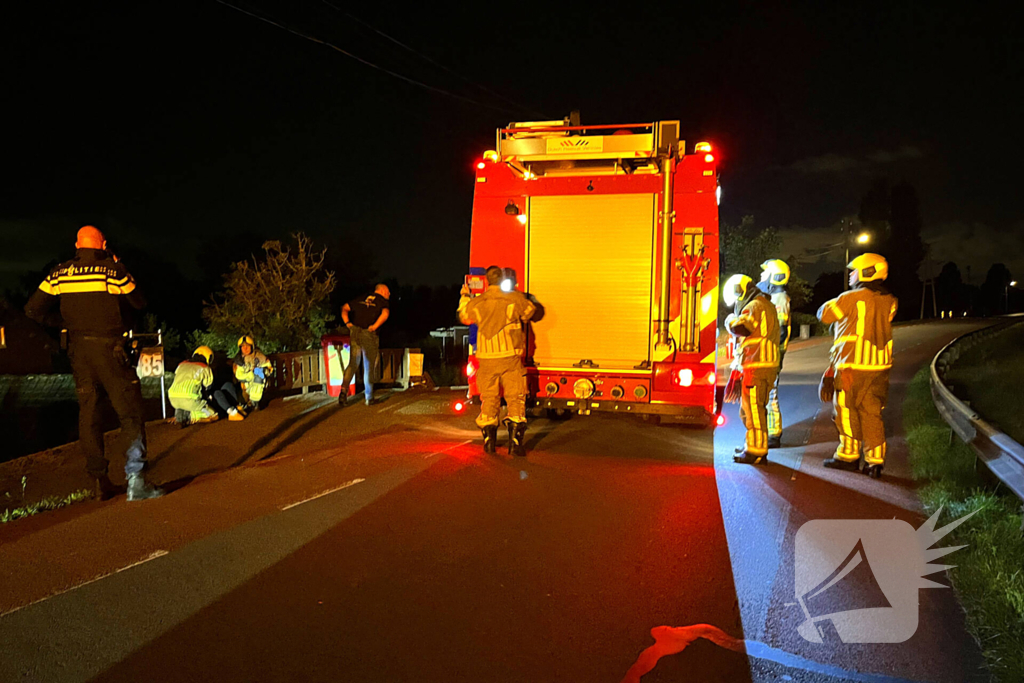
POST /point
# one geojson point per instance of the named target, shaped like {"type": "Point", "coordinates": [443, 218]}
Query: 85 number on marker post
{"type": "Point", "coordinates": [151, 362]}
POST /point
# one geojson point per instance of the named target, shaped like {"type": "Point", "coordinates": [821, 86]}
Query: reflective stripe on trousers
{"type": "Point", "coordinates": [754, 414]}
{"type": "Point", "coordinates": [857, 409]}
{"type": "Point", "coordinates": [774, 412]}
{"type": "Point", "coordinates": [496, 377]}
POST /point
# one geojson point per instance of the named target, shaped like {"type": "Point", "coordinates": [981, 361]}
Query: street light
{"type": "Point", "coordinates": [1006, 296]}
{"type": "Point", "coordinates": [863, 238]}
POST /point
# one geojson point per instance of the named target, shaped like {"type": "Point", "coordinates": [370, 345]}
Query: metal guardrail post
{"type": "Point", "coordinates": [1003, 456]}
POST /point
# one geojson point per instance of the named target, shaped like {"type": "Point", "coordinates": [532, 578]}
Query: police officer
{"type": "Point", "coordinates": [90, 289]}
{"type": "Point", "coordinates": [252, 368]}
{"type": "Point", "coordinates": [363, 317]}
{"type": "Point", "coordinates": [774, 277]}
{"type": "Point", "coordinates": [755, 366]}
{"type": "Point", "coordinates": [501, 341]}
{"type": "Point", "coordinates": [860, 361]}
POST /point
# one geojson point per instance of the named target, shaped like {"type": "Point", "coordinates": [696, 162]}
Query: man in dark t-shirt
{"type": "Point", "coordinates": [363, 317]}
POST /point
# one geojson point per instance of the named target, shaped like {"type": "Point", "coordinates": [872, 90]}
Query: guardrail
{"type": "Point", "coordinates": [1002, 455]}
{"type": "Point", "coordinates": [305, 369]}
{"type": "Point", "coordinates": [296, 370]}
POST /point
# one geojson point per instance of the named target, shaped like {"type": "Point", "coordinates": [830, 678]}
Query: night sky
{"type": "Point", "coordinates": [189, 128]}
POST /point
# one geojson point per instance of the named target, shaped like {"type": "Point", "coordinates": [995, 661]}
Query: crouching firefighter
{"type": "Point", "coordinates": [858, 375]}
{"type": "Point", "coordinates": [252, 370]}
{"type": "Point", "coordinates": [501, 341]}
{"type": "Point", "coordinates": [774, 277]}
{"type": "Point", "coordinates": [755, 366]}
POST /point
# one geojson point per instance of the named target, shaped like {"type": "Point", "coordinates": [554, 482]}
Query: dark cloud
{"type": "Point", "coordinates": [869, 163]}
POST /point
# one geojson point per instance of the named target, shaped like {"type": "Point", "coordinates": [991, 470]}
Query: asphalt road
{"type": "Point", "coordinates": [402, 553]}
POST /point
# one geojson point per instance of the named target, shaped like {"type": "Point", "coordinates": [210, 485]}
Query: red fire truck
{"type": "Point", "coordinates": [614, 230]}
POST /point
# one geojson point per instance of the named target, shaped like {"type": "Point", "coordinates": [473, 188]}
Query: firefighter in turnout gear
{"type": "Point", "coordinates": [755, 366]}
{"type": "Point", "coordinates": [191, 391]}
{"type": "Point", "coordinates": [860, 360]}
{"type": "Point", "coordinates": [252, 369]}
{"type": "Point", "coordinates": [501, 342]}
{"type": "Point", "coordinates": [91, 289]}
{"type": "Point", "coordinates": [774, 277]}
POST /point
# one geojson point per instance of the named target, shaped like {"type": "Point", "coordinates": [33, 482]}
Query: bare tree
{"type": "Point", "coordinates": [280, 298]}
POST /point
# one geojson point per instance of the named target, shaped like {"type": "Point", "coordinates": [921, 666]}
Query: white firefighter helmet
{"type": "Point", "coordinates": [734, 288]}
{"type": "Point", "coordinates": [870, 267]}
{"type": "Point", "coordinates": [775, 271]}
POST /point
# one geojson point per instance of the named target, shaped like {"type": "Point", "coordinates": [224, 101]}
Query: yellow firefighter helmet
{"type": "Point", "coordinates": [734, 288]}
{"type": "Point", "coordinates": [776, 271]}
{"type": "Point", "coordinates": [247, 339]}
{"type": "Point", "coordinates": [870, 267]}
{"type": "Point", "coordinates": [206, 352]}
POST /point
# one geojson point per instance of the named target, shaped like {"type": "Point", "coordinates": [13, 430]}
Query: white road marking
{"type": "Point", "coordinates": [151, 556]}
{"type": "Point", "coordinates": [322, 494]}
{"type": "Point", "coordinates": [451, 448]}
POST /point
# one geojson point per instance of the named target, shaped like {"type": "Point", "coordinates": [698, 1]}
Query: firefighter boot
{"type": "Point", "coordinates": [837, 464]}
{"type": "Point", "coordinates": [182, 418]}
{"type": "Point", "coordinates": [873, 471]}
{"type": "Point", "coordinates": [138, 489]}
{"type": "Point", "coordinates": [490, 438]}
{"type": "Point", "coordinates": [516, 438]}
{"type": "Point", "coordinates": [775, 441]}
{"type": "Point", "coordinates": [743, 458]}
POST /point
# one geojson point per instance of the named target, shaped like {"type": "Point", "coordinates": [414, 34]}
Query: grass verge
{"type": "Point", "coordinates": [989, 573]}
{"type": "Point", "coordinates": [48, 503]}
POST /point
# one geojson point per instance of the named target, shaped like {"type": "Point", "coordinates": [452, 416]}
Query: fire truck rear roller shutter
{"type": "Point", "coordinates": [590, 265]}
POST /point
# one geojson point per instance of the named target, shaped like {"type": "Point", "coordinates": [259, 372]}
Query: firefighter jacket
{"type": "Point", "coordinates": [779, 297]}
{"type": "Point", "coordinates": [757, 325]}
{"type": "Point", "coordinates": [192, 381]}
{"type": "Point", "coordinates": [90, 288]}
{"type": "Point", "coordinates": [499, 318]}
{"type": "Point", "coordinates": [863, 327]}
{"type": "Point", "coordinates": [245, 366]}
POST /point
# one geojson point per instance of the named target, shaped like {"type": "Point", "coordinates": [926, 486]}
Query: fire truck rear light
{"type": "Point", "coordinates": [470, 370]}
{"type": "Point", "coordinates": [521, 218]}
{"type": "Point", "coordinates": [720, 420]}
{"type": "Point", "coordinates": [712, 378]}
{"type": "Point", "coordinates": [709, 158]}
{"type": "Point", "coordinates": [481, 165]}
{"type": "Point", "coordinates": [702, 147]}
{"type": "Point", "coordinates": [685, 377]}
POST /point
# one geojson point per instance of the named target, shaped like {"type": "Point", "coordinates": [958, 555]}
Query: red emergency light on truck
{"type": "Point", "coordinates": [614, 231]}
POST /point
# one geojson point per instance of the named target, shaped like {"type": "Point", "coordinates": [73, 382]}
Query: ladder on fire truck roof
{"type": "Point", "coordinates": [555, 144]}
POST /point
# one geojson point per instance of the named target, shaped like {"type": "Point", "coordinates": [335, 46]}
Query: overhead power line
{"type": "Point", "coordinates": [419, 54]}
{"type": "Point", "coordinates": [370, 64]}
